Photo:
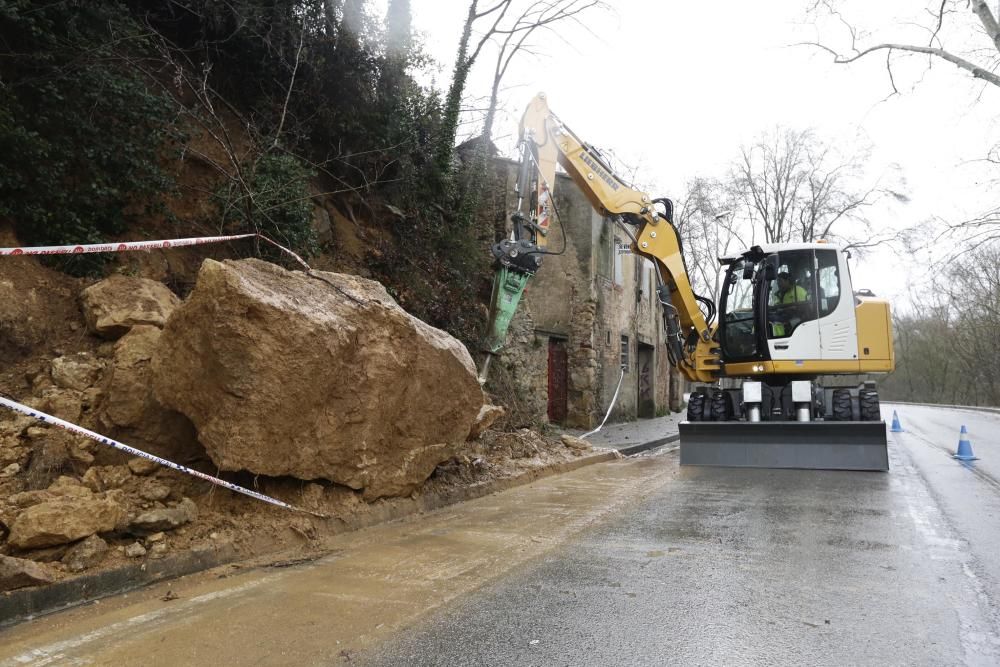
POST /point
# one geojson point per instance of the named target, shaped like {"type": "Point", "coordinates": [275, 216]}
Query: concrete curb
{"type": "Point", "coordinates": [28, 603]}
{"type": "Point", "coordinates": [652, 444]}
{"type": "Point", "coordinates": [974, 408]}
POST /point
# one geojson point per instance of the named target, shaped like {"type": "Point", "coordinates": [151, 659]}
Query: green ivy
{"type": "Point", "coordinates": [81, 132]}
{"type": "Point", "coordinates": [275, 202]}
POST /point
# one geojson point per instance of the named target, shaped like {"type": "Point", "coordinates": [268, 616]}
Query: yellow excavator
{"type": "Point", "coordinates": [777, 375]}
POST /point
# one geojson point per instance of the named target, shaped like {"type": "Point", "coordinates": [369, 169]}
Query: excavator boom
{"type": "Point", "coordinates": [546, 142]}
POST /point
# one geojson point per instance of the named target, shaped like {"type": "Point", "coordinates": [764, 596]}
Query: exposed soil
{"type": "Point", "coordinates": [43, 320]}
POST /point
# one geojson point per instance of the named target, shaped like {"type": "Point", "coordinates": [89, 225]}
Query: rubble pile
{"type": "Point", "coordinates": [65, 499]}
{"type": "Point", "coordinates": [319, 383]}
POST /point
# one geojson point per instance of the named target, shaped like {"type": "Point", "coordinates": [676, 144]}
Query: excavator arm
{"type": "Point", "coordinates": [546, 141]}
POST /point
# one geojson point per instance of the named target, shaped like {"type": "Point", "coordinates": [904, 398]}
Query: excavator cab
{"type": "Point", "coordinates": [785, 305]}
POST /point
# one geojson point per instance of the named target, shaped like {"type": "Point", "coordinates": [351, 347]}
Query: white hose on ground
{"type": "Point", "coordinates": [614, 399]}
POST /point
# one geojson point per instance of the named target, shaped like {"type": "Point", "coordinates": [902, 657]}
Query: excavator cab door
{"type": "Point", "coordinates": [792, 307]}
{"type": "Point", "coordinates": [739, 325]}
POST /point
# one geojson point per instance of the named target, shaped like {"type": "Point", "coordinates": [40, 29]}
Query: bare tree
{"type": "Point", "coordinates": [980, 63]}
{"type": "Point", "coordinates": [512, 38]}
{"type": "Point", "coordinates": [964, 33]}
{"type": "Point", "coordinates": [947, 341]}
{"type": "Point", "coordinates": [510, 24]}
{"type": "Point", "coordinates": [974, 292]}
{"type": "Point", "coordinates": [792, 186]}
{"type": "Point", "coordinates": [464, 61]}
{"type": "Point", "coordinates": [707, 224]}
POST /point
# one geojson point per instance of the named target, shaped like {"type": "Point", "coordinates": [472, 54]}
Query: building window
{"type": "Point", "coordinates": [624, 354]}
{"type": "Point", "coordinates": [621, 249]}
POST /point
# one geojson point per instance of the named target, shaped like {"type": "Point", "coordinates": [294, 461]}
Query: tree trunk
{"type": "Point", "coordinates": [477, 174]}
{"type": "Point", "coordinates": [453, 102]}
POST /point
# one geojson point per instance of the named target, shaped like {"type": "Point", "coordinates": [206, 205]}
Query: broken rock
{"type": "Point", "coordinates": [128, 408]}
{"type": "Point", "coordinates": [85, 554]}
{"type": "Point", "coordinates": [76, 371]}
{"type": "Point", "coordinates": [101, 478]}
{"type": "Point", "coordinates": [19, 572]}
{"type": "Point", "coordinates": [64, 520]}
{"type": "Point", "coordinates": [487, 415]}
{"type": "Point", "coordinates": [168, 518]}
{"type": "Point", "coordinates": [135, 550]}
{"type": "Point", "coordinates": [319, 376]}
{"type": "Point", "coordinates": [153, 490]}
{"type": "Point", "coordinates": [142, 466]}
{"type": "Point", "coordinates": [573, 442]}
{"type": "Point", "coordinates": [116, 304]}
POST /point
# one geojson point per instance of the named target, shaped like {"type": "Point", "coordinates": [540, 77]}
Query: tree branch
{"type": "Point", "coordinates": [974, 69]}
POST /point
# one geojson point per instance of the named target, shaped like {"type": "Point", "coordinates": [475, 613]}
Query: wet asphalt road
{"type": "Point", "coordinates": [759, 567]}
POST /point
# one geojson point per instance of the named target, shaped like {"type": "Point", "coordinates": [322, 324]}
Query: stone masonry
{"type": "Point", "coordinates": [588, 310]}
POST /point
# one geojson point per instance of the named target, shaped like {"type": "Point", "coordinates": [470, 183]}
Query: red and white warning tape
{"type": "Point", "coordinates": [128, 246]}
{"type": "Point", "coordinates": [119, 247]}
{"type": "Point", "coordinates": [73, 428]}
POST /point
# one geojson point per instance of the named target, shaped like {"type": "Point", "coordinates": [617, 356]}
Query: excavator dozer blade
{"type": "Point", "coordinates": [805, 445]}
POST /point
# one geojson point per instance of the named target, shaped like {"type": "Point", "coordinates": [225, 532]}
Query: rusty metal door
{"type": "Point", "coordinates": [558, 380]}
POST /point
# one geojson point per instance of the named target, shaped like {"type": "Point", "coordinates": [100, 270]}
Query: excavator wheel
{"type": "Point", "coordinates": [696, 407]}
{"type": "Point", "coordinates": [842, 405]}
{"type": "Point", "coordinates": [870, 411]}
{"type": "Point", "coordinates": [720, 407]}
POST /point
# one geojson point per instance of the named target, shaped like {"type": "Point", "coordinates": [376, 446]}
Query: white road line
{"type": "Point", "coordinates": [56, 652]}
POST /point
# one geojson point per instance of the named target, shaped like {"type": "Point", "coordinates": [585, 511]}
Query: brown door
{"type": "Point", "coordinates": [557, 381]}
{"type": "Point", "coordinates": [646, 407]}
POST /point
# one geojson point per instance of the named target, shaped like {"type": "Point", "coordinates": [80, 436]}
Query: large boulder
{"type": "Point", "coordinates": [314, 376]}
{"type": "Point", "coordinates": [37, 305]}
{"type": "Point", "coordinates": [116, 304]}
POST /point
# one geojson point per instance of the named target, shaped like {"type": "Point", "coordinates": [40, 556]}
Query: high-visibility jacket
{"type": "Point", "coordinates": [794, 295]}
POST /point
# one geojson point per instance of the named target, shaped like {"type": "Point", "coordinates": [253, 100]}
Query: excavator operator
{"type": "Point", "coordinates": [783, 314]}
{"type": "Point", "coordinates": [788, 291]}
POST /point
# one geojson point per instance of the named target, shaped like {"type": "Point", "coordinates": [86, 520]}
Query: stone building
{"type": "Point", "coordinates": [589, 313]}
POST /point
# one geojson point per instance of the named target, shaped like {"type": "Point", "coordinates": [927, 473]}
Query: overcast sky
{"type": "Point", "coordinates": [675, 88]}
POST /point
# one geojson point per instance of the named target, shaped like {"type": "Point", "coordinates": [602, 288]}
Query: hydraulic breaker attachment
{"type": "Point", "coordinates": [815, 445]}
{"type": "Point", "coordinates": [508, 286]}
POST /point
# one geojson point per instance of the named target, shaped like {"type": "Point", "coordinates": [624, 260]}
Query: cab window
{"type": "Point", "coordinates": [792, 295]}
{"type": "Point", "coordinates": [739, 340]}
{"type": "Point", "coordinates": [828, 277]}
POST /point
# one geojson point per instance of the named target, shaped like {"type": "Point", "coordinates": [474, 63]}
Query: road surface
{"type": "Point", "coordinates": [638, 562]}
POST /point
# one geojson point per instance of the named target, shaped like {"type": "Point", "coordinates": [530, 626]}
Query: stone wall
{"type": "Point", "coordinates": [589, 296]}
